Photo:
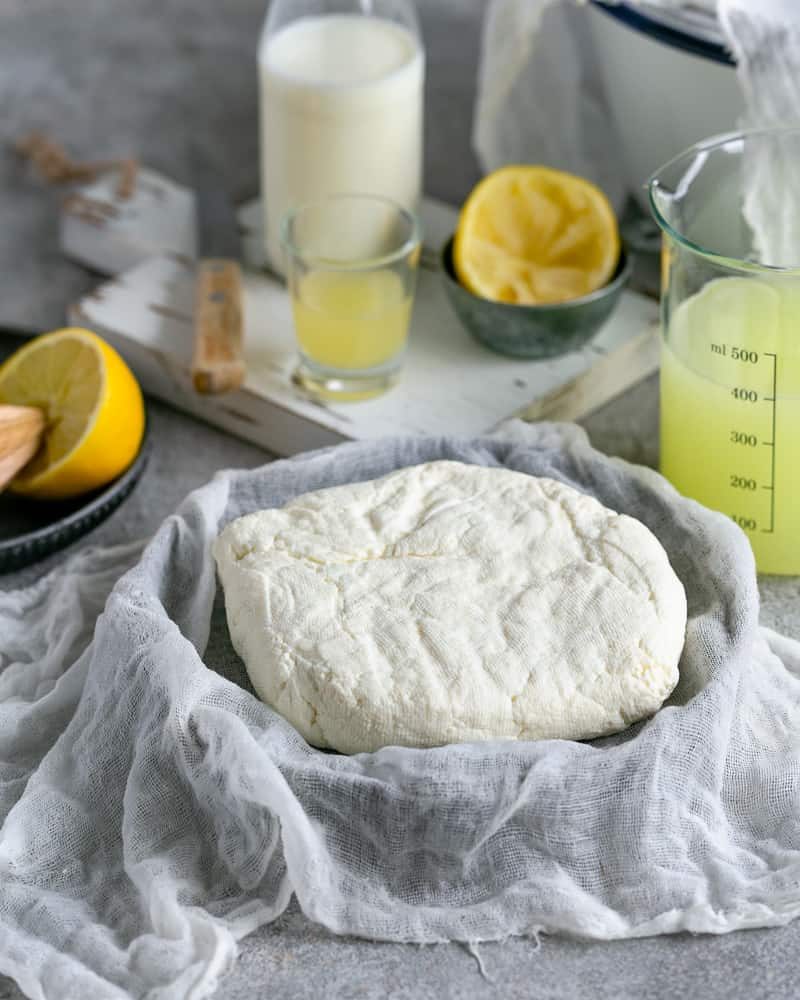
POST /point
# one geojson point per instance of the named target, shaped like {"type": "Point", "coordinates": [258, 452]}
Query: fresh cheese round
{"type": "Point", "coordinates": [449, 602]}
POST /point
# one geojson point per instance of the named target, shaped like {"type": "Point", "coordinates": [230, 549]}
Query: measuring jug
{"type": "Point", "coordinates": [729, 210]}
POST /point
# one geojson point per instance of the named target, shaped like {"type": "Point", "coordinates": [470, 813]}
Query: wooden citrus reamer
{"type": "Point", "coordinates": [21, 430]}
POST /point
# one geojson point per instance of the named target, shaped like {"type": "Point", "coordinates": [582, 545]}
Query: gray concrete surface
{"type": "Point", "coordinates": [174, 81]}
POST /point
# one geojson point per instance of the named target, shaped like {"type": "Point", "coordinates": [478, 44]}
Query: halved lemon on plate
{"type": "Point", "coordinates": [93, 407]}
{"type": "Point", "coordinates": [531, 235]}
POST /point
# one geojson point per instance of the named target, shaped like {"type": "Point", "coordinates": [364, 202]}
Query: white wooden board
{"type": "Point", "coordinates": [111, 234]}
{"type": "Point", "coordinates": [451, 384]}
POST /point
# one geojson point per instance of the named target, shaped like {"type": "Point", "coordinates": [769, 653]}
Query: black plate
{"type": "Point", "coordinates": [32, 529]}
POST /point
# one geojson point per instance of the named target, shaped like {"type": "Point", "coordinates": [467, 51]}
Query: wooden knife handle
{"type": "Point", "coordinates": [218, 362]}
{"type": "Point", "coordinates": [21, 429]}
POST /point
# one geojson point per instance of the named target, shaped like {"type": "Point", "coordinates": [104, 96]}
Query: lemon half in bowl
{"type": "Point", "coordinates": [536, 266]}
{"type": "Point", "coordinates": [93, 407]}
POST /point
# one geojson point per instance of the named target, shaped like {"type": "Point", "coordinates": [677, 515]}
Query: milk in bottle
{"type": "Point", "coordinates": [341, 111]}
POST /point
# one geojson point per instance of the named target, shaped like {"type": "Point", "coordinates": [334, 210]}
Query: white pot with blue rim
{"type": "Point", "coordinates": [669, 81]}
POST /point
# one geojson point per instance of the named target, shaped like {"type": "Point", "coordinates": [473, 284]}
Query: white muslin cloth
{"type": "Point", "coordinates": [153, 811]}
{"type": "Point", "coordinates": [765, 39]}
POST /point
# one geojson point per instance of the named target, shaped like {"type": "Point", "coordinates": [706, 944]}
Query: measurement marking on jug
{"type": "Point", "coordinates": [735, 353]}
{"type": "Point", "coordinates": [746, 439]}
{"type": "Point", "coordinates": [773, 401]}
{"type": "Point", "coordinates": [744, 395]}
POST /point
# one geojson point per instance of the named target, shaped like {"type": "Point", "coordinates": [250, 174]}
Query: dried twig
{"type": "Point", "coordinates": [56, 166]}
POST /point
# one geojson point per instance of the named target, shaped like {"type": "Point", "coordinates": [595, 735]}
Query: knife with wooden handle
{"type": "Point", "coordinates": [218, 359]}
{"type": "Point", "coordinates": [218, 362]}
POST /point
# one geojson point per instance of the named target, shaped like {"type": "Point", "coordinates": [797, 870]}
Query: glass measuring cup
{"type": "Point", "coordinates": [729, 210]}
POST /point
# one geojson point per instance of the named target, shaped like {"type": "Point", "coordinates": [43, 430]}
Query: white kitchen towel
{"type": "Point", "coordinates": [154, 811]}
{"type": "Point", "coordinates": [541, 96]}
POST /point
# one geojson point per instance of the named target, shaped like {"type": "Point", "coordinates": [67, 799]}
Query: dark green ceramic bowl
{"type": "Point", "coordinates": [533, 331]}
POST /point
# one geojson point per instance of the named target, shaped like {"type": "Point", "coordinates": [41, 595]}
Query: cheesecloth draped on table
{"type": "Point", "coordinates": [154, 811]}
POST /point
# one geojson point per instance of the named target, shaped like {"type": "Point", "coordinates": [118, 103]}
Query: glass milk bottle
{"type": "Point", "coordinates": [341, 99]}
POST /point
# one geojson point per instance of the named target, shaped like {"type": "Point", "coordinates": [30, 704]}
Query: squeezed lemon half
{"type": "Point", "coordinates": [532, 235]}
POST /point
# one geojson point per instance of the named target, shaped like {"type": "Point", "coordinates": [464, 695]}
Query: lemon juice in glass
{"type": "Point", "coordinates": [729, 209]}
{"type": "Point", "coordinates": [351, 269]}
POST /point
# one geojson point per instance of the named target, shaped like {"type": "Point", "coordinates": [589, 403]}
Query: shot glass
{"type": "Point", "coordinates": [351, 266]}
